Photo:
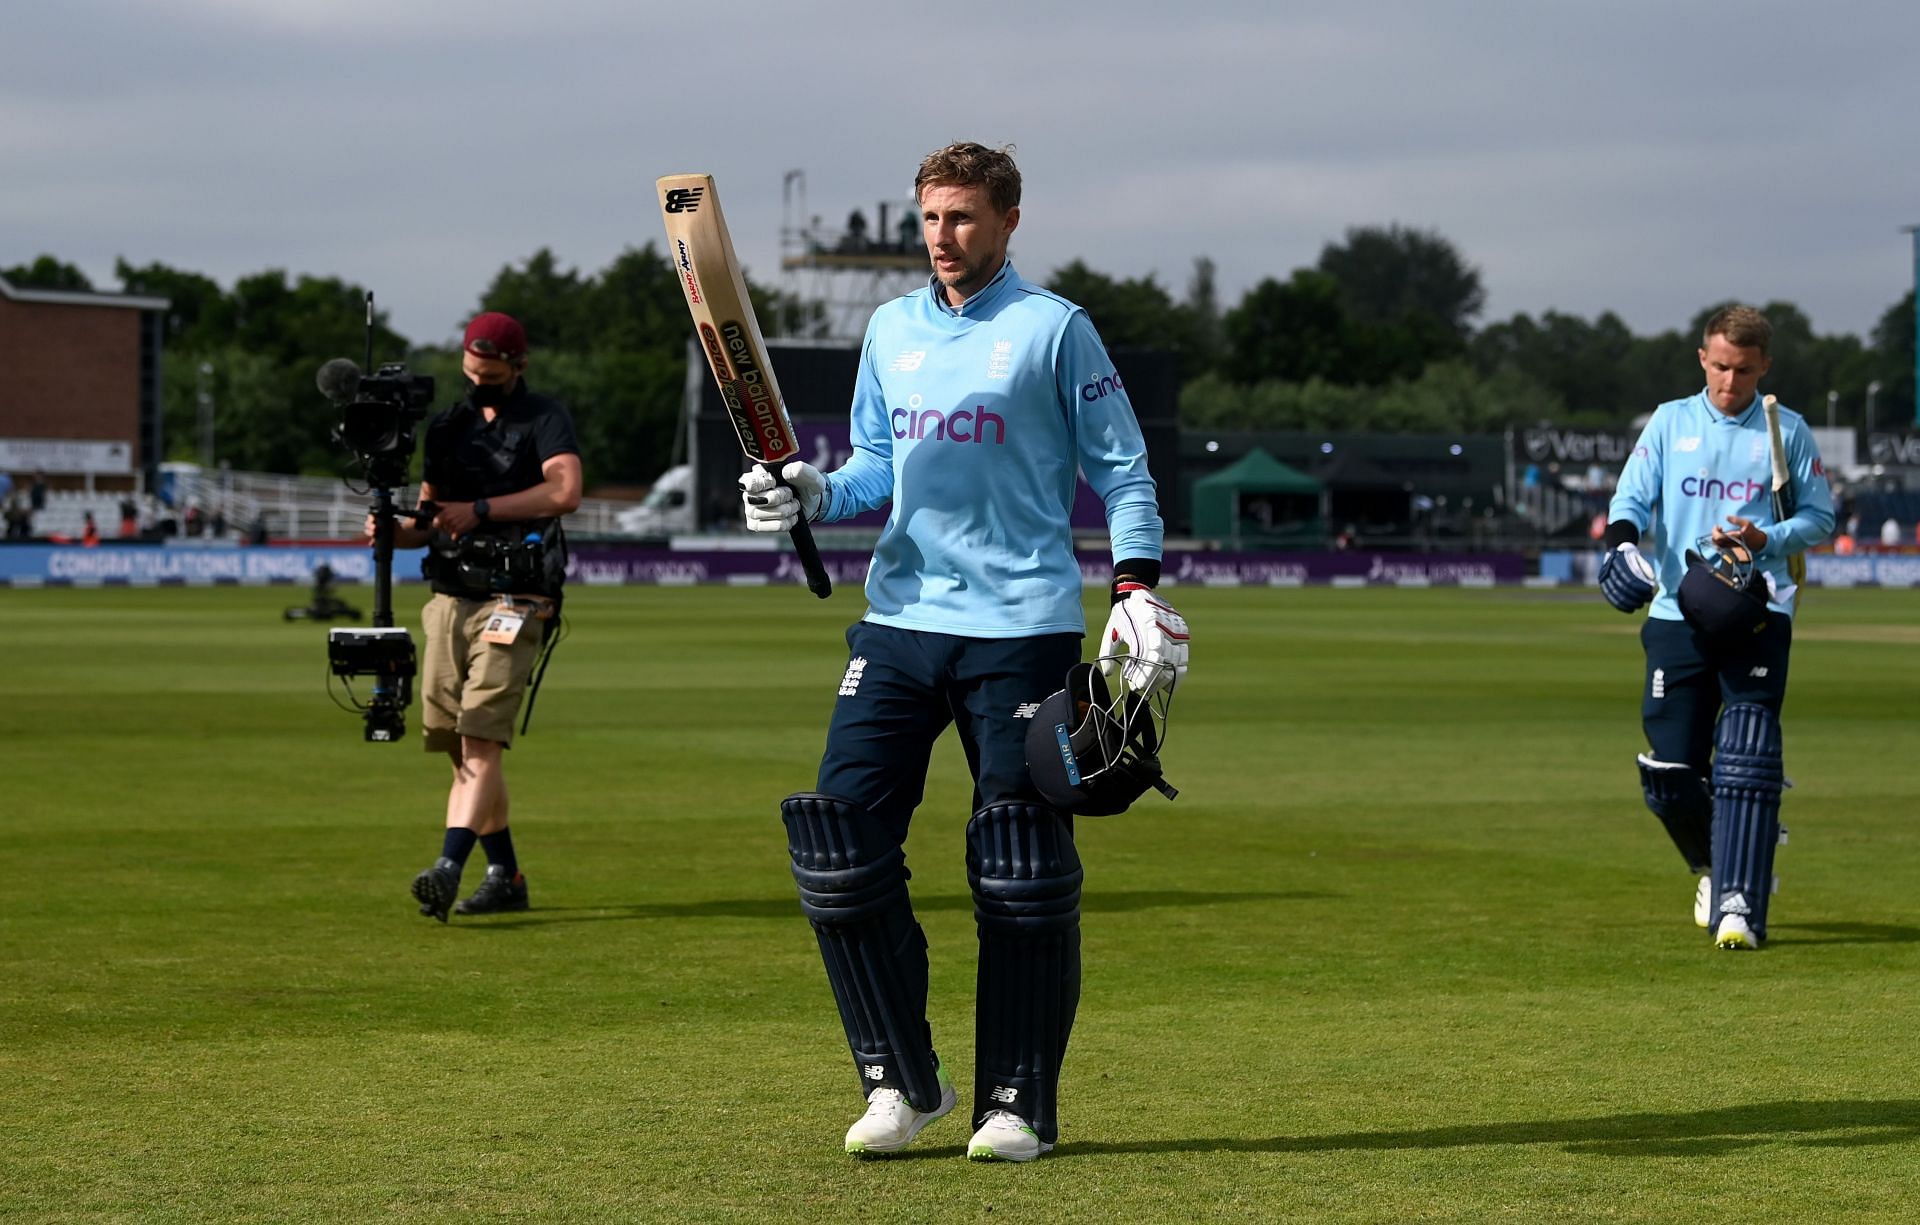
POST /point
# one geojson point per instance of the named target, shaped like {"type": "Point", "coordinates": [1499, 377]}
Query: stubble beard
{"type": "Point", "coordinates": [968, 280]}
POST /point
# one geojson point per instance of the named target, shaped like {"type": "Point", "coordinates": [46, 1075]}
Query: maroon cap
{"type": "Point", "coordinates": [497, 336]}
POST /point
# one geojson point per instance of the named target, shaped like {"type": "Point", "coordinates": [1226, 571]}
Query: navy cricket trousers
{"type": "Point", "coordinates": [1690, 677]}
{"type": "Point", "coordinates": [901, 690]}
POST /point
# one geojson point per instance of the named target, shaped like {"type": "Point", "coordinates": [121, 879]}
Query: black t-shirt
{"type": "Point", "coordinates": [468, 457]}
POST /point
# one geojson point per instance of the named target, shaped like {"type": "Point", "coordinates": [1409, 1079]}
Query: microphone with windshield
{"type": "Point", "coordinates": [338, 380]}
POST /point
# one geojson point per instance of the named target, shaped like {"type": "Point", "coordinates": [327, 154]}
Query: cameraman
{"type": "Point", "coordinates": [501, 467]}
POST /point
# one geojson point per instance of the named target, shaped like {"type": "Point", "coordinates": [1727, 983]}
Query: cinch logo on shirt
{"type": "Point", "coordinates": [1100, 388]}
{"type": "Point", "coordinates": [1714, 489]}
{"type": "Point", "coordinates": [967, 425]}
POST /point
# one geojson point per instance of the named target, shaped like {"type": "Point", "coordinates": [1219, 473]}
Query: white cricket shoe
{"type": "Point", "coordinates": [1005, 1136]}
{"type": "Point", "coordinates": [1703, 893]}
{"type": "Point", "coordinates": [1735, 934]}
{"type": "Point", "coordinates": [891, 1122]}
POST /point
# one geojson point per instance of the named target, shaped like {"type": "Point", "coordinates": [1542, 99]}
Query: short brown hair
{"type": "Point", "coordinates": [966, 164]}
{"type": "Point", "coordinates": [1743, 326]}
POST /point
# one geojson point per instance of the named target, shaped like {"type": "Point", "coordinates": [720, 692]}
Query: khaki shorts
{"type": "Point", "coordinates": [468, 686]}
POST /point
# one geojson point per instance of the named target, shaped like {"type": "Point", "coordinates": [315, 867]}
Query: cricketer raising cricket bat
{"type": "Point", "coordinates": [1783, 500]}
{"type": "Point", "coordinates": [709, 272]}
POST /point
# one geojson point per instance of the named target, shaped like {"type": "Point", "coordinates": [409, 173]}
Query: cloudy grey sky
{"type": "Point", "coordinates": [1638, 156]}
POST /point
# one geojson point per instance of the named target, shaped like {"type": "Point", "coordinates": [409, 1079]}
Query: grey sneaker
{"type": "Point", "coordinates": [497, 892]}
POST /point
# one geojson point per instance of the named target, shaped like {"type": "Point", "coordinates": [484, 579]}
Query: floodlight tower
{"type": "Point", "coordinates": [846, 272]}
{"type": "Point", "coordinates": [1914, 232]}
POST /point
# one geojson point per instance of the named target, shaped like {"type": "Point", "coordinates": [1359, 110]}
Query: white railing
{"type": "Point", "coordinates": [1547, 508]}
{"type": "Point", "coordinates": [318, 507]}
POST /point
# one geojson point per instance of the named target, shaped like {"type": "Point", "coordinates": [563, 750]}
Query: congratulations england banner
{"type": "Point", "coordinates": [33, 565]}
{"type": "Point", "coordinates": [141, 566]}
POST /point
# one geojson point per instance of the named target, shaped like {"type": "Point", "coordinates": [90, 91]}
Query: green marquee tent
{"type": "Point", "coordinates": [1257, 497]}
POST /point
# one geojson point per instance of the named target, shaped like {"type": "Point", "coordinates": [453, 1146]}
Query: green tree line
{"type": "Point", "coordinates": [1379, 335]}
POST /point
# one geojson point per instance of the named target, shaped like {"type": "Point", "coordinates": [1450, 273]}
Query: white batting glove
{"type": "Point", "coordinates": [773, 507]}
{"type": "Point", "coordinates": [1145, 641]}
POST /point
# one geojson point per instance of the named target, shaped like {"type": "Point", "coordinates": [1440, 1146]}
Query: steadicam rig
{"type": "Point", "coordinates": [378, 416]}
{"type": "Point", "coordinates": [384, 652]}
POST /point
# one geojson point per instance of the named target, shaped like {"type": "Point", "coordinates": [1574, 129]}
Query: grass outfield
{"type": "Point", "coordinates": [1407, 947]}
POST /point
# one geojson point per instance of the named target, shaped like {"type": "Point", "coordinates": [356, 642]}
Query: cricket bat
{"type": "Point", "coordinates": [1784, 503]}
{"type": "Point", "coordinates": [701, 250]}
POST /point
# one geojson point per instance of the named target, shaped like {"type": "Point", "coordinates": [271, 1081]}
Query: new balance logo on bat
{"type": "Point", "coordinates": [684, 199]}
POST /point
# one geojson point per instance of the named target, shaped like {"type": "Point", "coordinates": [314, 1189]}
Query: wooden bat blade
{"type": "Point", "coordinates": [1784, 503]}
{"type": "Point", "coordinates": [701, 249]}
{"type": "Point", "coordinates": [711, 279]}
{"type": "Point", "coordinates": [1782, 475]}
{"type": "Point", "coordinates": [1783, 499]}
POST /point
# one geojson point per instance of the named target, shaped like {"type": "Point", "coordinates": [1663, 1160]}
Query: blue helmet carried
{"type": "Point", "coordinates": [1093, 754]}
{"type": "Point", "coordinates": [1724, 593]}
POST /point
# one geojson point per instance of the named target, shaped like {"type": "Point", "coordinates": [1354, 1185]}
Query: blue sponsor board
{"type": "Point", "coordinates": [1873, 569]}
{"type": "Point", "coordinates": [64, 565]}
{"type": "Point", "coordinates": [30, 565]}
{"type": "Point", "coordinates": [137, 565]}
{"type": "Point", "coordinates": [1823, 569]}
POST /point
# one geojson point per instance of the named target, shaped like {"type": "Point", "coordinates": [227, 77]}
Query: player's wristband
{"type": "Point", "coordinates": [1621, 531]}
{"type": "Point", "coordinates": [1134, 574]}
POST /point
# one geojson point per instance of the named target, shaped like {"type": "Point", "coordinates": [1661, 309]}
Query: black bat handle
{"type": "Point", "coordinates": [818, 581]}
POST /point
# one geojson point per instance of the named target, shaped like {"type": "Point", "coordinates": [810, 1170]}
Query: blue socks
{"type": "Point", "coordinates": [499, 846]}
{"type": "Point", "coordinates": [458, 845]}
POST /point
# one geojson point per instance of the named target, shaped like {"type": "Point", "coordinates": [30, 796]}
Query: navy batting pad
{"type": "Point", "coordinates": [1747, 781]}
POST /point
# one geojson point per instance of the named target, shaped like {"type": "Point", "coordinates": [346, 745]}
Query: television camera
{"type": "Point", "coordinates": [379, 414]}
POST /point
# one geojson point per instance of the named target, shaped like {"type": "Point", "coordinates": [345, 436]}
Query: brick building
{"type": "Point", "coordinates": [81, 396]}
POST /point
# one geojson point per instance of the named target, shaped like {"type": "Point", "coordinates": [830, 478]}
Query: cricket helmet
{"type": "Point", "coordinates": [1093, 754]}
{"type": "Point", "coordinates": [1724, 593]}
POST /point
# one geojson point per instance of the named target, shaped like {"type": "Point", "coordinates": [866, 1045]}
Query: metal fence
{"type": "Point", "coordinates": [317, 507]}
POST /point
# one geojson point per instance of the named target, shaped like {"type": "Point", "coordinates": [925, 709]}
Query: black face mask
{"type": "Point", "coordinates": [488, 395]}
